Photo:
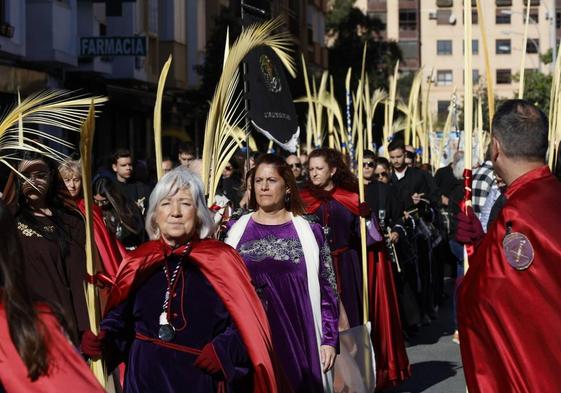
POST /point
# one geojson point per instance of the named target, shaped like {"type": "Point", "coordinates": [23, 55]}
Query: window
{"type": "Point", "coordinates": [532, 2]}
{"type": "Point", "coordinates": [443, 17]}
{"type": "Point", "coordinates": [533, 45]}
{"type": "Point", "coordinates": [407, 20]}
{"type": "Point", "coordinates": [444, 3]}
{"type": "Point", "coordinates": [557, 19]}
{"type": "Point", "coordinates": [502, 16]}
{"type": "Point", "coordinates": [444, 47]}
{"type": "Point", "coordinates": [442, 110]}
{"type": "Point", "coordinates": [502, 47]}
{"type": "Point", "coordinates": [444, 78]}
{"type": "Point", "coordinates": [474, 76]}
{"type": "Point", "coordinates": [474, 16]}
{"type": "Point", "coordinates": [474, 47]}
{"type": "Point", "coordinates": [409, 49]}
{"type": "Point", "coordinates": [503, 3]}
{"type": "Point", "coordinates": [534, 15]}
{"type": "Point", "coordinates": [504, 77]}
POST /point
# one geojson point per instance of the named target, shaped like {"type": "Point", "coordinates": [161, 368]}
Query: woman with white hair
{"type": "Point", "coordinates": [183, 314]}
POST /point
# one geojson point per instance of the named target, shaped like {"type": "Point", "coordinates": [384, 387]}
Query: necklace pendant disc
{"type": "Point", "coordinates": [166, 332]}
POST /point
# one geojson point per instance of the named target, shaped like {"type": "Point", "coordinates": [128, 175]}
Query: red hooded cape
{"type": "Point", "coordinates": [508, 318]}
{"type": "Point", "coordinates": [228, 275]}
{"type": "Point", "coordinates": [68, 372]}
{"type": "Point", "coordinates": [110, 250]}
{"type": "Point", "coordinates": [346, 198]}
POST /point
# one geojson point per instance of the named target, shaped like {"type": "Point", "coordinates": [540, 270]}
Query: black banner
{"type": "Point", "coordinates": [271, 109]}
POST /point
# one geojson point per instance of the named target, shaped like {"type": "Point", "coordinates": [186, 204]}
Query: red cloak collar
{"type": "Point", "coordinates": [228, 275]}
{"type": "Point", "coordinates": [348, 199]}
{"type": "Point", "coordinates": [526, 178]}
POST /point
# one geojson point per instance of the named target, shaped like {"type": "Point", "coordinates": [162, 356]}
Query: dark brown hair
{"type": "Point", "coordinates": [343, 176]}
{"type": "Point", "coordinates": [26, 330]}
{"type": "Point", "coordinates": [294, 203]}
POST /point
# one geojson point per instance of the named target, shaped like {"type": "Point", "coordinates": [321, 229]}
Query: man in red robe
{"type": "Point", "coordinates": [509, 301]}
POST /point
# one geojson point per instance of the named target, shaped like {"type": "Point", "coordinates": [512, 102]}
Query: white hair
{"type": "Point", "coordinates": [173, 181]}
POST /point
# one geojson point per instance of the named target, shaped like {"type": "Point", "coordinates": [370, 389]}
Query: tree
{"type": "Point", "coordinates": [537, 88]}
{"type": "Point", "coordinates": [349, 28]}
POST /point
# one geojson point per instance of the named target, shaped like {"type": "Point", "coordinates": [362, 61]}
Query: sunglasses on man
{"type": "Point", "coordinates": [369, 164]}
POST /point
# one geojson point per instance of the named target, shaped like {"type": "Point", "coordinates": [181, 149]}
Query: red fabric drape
{"type": "Point", "coordinates": [110, 249]}
{"type": "Point", "coordinates": [68, 372]}
{"type": "Point", "coordinates": [392, 363]}
{"type": "Point", "coordinates": [346, 198]}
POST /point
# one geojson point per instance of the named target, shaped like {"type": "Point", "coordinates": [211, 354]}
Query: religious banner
{"type": "Point", "coordinates": [271, 109]}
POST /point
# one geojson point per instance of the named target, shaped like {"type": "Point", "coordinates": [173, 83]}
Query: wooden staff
{"type": "Point", "coordinates": [158, 118]}
{"type": "Point", "coordinates": [92, 297]}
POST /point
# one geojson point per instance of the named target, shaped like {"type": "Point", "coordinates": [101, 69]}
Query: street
{"type": "Point", "coordinates": [435, 359]}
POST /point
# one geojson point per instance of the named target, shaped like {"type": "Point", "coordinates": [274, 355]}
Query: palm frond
{"type": "Point", "coordinates": [92, 297]}
{"type": "Point", "coordinates": [62, 109]}
{"type": "Point", "coordinates": [222, 126]}
{"type": "Point", "coordinates": [158, 117]}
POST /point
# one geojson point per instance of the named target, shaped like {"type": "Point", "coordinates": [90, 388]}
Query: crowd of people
{"type": "Point", "coordinates": [258, 292]}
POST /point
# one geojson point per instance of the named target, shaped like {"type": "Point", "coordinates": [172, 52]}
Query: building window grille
{"type": "Point", "coordinates": [444, 47]}
{"type": "Point", "coordinates": [444, 78]}
{"type": "Point", "coordinates": [504, 77]}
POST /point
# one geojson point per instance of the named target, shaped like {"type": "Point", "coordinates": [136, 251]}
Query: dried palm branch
{"type": "Point", "coordinates": [413, 106]}
{"type": "Point", "coordinates": [488, 71]}
{"type": "Point", "coordinates": [158, 117]}
{"type": "Point", "coordinates": [523, 60]}
{"type": "Point", "coordinates": [92, 295]}
{"type": "Point", "coordinates": [311, 128]}
{"type": "Point", "coordinates": [226, 114]}
{"type": "Point", "coordinates": [52, 108]}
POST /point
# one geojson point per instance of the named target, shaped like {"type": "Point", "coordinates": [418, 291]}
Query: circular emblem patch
{"type": "Point", "coordinates": [518, 250]}
{"type": "Point", "coordinates": [270, 75]}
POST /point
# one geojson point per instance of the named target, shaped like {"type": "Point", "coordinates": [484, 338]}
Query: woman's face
{"type": "Point", "coordinates": [38, 174]}
{"type": "Point", "coordinates": [176, 217]}
{"type": "Point", "coordinates": [270, 188]}
{"type": "Point", "coordinates": [319, 172]}
{"type": "Point", "coordinates": [382, 174]}
{"type": "Point", "coordinates": [73, 183]}
{"type": "Point", "coordinates": [368, 165]}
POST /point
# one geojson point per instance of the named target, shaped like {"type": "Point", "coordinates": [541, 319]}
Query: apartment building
{"type": "Point", "coordinates": [442, 52]}
{"type": "Point", "coordinates": [401, 23]}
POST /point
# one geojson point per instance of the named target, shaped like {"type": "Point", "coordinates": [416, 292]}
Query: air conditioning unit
{"type": "Point", "coordinates": [433, 15]}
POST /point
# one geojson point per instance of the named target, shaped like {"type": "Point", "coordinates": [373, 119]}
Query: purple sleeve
{"type": "Point", "coordinates": [120, 332]}
{"type": "Point", "coordinates": [328, 288]}
{"type": "Point", "coordinates": [232, 354]}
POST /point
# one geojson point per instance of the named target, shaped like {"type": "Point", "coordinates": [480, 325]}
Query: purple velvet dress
{"type": "Point", "coordinates": [199, 316]}
{"type": "Point", "coordinates": [344, 241]}
{"type": "Point", "coordinates": [275, 259]}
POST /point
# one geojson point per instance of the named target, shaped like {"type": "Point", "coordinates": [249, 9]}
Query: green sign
{"type": "Point", "coordinates": [113, 46]}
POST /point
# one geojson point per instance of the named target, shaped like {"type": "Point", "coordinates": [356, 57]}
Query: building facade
{"type": "Point", "coordinates": [401, 23]}
{"type": "Point", "coordinates": [86, 44]}
{"type": "Point", "coordinates": [442, 52]}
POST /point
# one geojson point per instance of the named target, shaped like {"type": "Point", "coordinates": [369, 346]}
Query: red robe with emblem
{"type": "Point", "coordinates": [509, 319]}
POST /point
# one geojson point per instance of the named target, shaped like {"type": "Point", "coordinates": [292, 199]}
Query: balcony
{"type": "Point", "coordinates": [56, 24]}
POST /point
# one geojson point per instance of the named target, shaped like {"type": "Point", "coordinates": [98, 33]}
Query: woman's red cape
{"type": "Point", "coordinates": [228, 275]}
{"type": "Point", "coordinates": [346, 198]}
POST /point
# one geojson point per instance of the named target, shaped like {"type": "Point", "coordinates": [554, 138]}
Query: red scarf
{"type": "Point", "coordinates": [228, 275]}
{"type": "Point", "coordinates": [346, 198]}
